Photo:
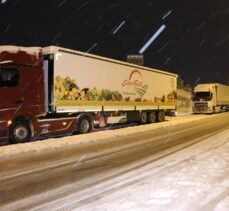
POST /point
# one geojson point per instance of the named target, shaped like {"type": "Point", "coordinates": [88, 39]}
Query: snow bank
{"type": "Point", "coordinates": [68, 142]}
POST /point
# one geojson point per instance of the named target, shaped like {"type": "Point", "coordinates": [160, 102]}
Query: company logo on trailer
{"type": "Point", "coordinates": [136, 81]}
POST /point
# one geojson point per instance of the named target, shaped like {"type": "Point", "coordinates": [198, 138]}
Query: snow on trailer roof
{"type": "Point", "coordinates": [55, 49]}
{"type": "Point", "coordinates": [211, 84]}
{"type": "Point", "coordinates": [15, 49]}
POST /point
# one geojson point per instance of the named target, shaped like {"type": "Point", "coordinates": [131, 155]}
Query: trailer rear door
{"type": "Point", "coordinates": [48, 74]}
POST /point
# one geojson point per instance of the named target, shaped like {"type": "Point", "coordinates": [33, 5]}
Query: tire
{"type": "Point", "coordinates": [152, 117]}
{"type": "Point", "coordinates": [143, 118]}
{"type": "Point", "coordinates": [213, 112]}
{"type": "Point", "coordinates": [20, 132]}
{"type": "Point", "coordinates": [161, 116]}
{"type": "Point", "coordinates": [84, 125]}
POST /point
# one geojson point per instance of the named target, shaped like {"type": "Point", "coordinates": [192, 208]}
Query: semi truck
{"type": "Point", "coordinates": [54, 90]}
{"type": "Point", "coordinates": [210, 98]}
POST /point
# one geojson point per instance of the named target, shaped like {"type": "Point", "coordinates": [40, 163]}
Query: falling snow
{"type": "Point", "coordinates": [7, 28]}
{"type": "Point", "coordinates": [58, 35]}
{"type": "Point", "coordinates": [59, 5]}
{"type": "Point", "coordinates": [167, 60]}
{"type": "Point", "coordinates": [151, 40]}
{"type": "Point", "coordinates": [166, 15]}
{"type": "Point", "coordinates": [119, 27]}
{"type": "Point", "coordinates": [200, 26]}
{"type": "Point", "coordinates": [194, 35]}
{"type": "Point", "coordinates": [163, 47]}
{"type": "Point", "coordinates": [83, 5]}
{"type": "Point", "coordinates": [92, 47]}
{"type": "Point", "coordinates": [202, 42]}
{"type": "Point", "coordinates": [197, 81]}
{"type": "Point", "coordinates": [3, 1]}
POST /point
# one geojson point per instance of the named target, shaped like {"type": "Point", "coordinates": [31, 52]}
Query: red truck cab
{"type": "Point", "coordinates": [21, 91]}
{"type": "Point", "coordinates": [26, 96]}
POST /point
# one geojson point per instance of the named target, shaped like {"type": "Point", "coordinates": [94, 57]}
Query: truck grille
{"type": "Point", "coordinates": [201, 106]}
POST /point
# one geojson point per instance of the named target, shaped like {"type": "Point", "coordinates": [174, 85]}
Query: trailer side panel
{"type": "Point", "coordinates": [92, 84]}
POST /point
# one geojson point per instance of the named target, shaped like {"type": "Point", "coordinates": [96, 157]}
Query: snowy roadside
{"type": "Point", "coordinates": [53, 145]}
{"type": "Point", "coordinates": [195, 178]}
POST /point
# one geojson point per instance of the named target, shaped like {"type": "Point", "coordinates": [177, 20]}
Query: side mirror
{"type": "Point", "coordinates": [193, 95]}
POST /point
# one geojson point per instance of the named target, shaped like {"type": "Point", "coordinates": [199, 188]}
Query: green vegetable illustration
{"type": "Point", "coordinates": [67, 89]}
{"type": "Point", "coordinates": [141, 91]}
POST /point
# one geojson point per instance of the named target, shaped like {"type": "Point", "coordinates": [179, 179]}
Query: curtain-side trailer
{"type": "Point", "coordinates": [56, 90]}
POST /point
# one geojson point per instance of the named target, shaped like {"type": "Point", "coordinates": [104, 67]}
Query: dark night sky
{"type": "Point", "coordinates": [195, 43]}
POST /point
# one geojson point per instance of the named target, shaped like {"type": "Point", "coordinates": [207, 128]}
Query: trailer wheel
{"type": "Point", "coordinates": [152, 117]}
{"type": "Point", "coordinates": [161, 116]}
{"type": "Point", "coordinates": [143, 118]}
{"type": "Point", "coordinates": [84, 125]}
{"type": "Point", "coordinates": [20, 132]}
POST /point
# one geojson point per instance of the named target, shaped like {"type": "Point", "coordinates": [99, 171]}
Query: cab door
{"type": "Point", "coordinates": [19, 90]}
{"type": "Point", "coordinates": [31, 88]}
{"type": "Point", "coordinates": [10, 90]}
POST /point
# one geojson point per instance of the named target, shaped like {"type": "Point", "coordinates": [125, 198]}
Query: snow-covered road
{"type": "Point", "coordinates": [195, 178]}
{"type": "Point", "coordinates": [181, 164]}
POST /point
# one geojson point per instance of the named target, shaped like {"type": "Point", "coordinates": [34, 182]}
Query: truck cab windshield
{"type": "Point", "coordinates": [202, 96]}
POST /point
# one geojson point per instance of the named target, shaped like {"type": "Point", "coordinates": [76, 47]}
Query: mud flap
{"type": "Point", "coordinates": [102, 120]}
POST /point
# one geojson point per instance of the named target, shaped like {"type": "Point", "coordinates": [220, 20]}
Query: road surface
{"type": "Point", "coordinates": [49, 181]}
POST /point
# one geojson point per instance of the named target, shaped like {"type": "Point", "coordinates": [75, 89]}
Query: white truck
{"type": "Point", "coordinates": [57, 90]}
{"type": "Point", "coordinates": [210, 98]}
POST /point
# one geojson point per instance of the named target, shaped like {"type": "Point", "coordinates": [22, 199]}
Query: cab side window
{"type": "Point", "coordinates": [9, 77]}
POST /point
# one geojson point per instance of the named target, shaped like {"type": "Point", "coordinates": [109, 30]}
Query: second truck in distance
{"type": "Point", "coordinates": [210, 98]}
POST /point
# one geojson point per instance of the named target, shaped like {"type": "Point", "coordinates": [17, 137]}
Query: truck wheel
{"type": "Point", "coordinates": [143, 118]}
{"type": "Point", "coordinates": [213, 112]}
{"type": "Point", "coordinates": [84, 125]}
{"type": "Point", "coordinates": [152, 117]}
{"type": "Point", "coordinates": [161, 116]}
{"type": "Point", "coordinates": [20, 132]}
